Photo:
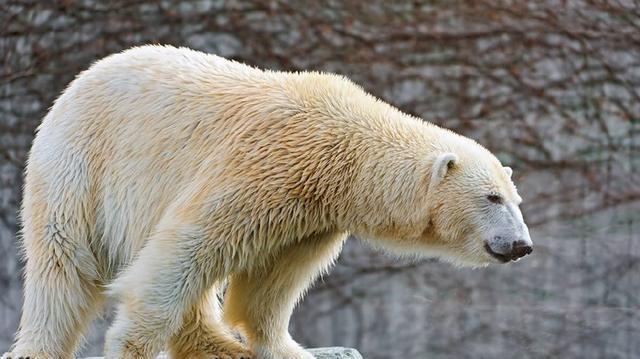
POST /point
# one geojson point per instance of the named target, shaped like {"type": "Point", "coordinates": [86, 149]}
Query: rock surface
{"type": "Point", "coordinates": [335, 353]}
{"type": "Point", "coordinates": [319, 353]}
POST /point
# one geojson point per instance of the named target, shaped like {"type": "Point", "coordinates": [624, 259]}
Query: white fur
{"type": "Point", "coordinates": [509, 171]}
{"type": "Point", "coordinates": [440, 167]}
{"type": "Point", "coordinates": [160, 173]}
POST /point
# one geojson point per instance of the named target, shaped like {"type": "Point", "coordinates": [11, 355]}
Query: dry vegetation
{"type": "Point", "coordinates": [553, 87]}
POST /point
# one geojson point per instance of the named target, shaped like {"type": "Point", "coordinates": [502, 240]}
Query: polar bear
{"type": "Point", "coordinates": [161, 173]}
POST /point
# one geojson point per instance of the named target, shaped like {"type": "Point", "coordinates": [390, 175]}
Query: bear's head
{"type": "Point", "coordinates": [458, 204]}
{"type": "Point", "coordinates": [473, 210]}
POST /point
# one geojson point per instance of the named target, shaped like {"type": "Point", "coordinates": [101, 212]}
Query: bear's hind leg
{"type": "Point", "coordinates": [61, 294]}
{"type": "Point", "coordinates": [204, 336]}
{"type": "Point", "coordinates": [260, 302]}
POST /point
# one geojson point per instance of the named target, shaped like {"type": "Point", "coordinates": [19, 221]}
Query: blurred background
{"type": "Point", "coordinates": [551, 86]}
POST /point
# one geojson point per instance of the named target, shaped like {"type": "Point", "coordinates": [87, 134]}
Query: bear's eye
{"type": "Point", "coordinates": [494, 198]}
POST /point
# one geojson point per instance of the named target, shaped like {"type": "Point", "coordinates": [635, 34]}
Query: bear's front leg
{"type": "Point", "coordinates": [171, 274]}
{"type": "Point", "coordinates": [203, 335]}
{"type": "Point", "coordinates": [260, 301]}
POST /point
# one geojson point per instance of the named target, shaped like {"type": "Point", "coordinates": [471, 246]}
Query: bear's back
{"type": "Point", "coordinates": [136, 129]}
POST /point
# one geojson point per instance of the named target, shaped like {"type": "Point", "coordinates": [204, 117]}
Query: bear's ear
{"type": "Point", "coordinates": [509, 171]}
{"type": "Point", "coordinates": [440, 167]}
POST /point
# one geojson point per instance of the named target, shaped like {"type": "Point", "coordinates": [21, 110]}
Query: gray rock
{"type": "Point", "coordinates": [335, 353]}
{"type": "Point", "coordinates": [319, 353]}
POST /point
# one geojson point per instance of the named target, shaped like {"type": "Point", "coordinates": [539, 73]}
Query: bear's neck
{"type": "Point", "coordinates": [385, 159]}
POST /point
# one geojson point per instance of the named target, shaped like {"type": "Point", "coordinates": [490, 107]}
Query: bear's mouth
{"type": "Point", "coordinates": [504, 258]}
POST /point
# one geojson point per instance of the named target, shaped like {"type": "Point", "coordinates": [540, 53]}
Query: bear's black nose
{"type": "Point", "coordinates": [506, 252]}
{"type": "Point", "coordinates": [520, 249]}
